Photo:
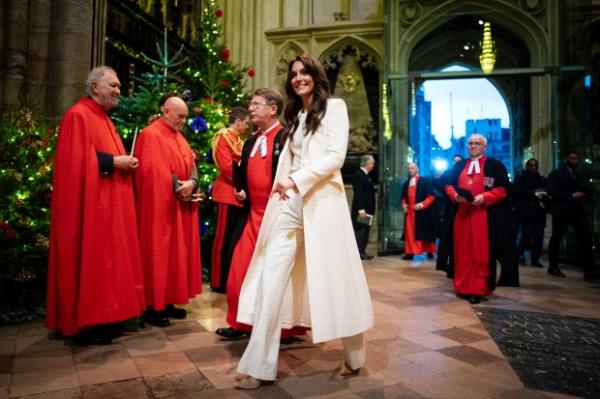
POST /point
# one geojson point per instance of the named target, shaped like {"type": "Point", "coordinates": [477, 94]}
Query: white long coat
{"type": "Point", "coordinates": [328, 290]}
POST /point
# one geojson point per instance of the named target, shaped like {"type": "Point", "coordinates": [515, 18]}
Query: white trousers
{"type": "Point", "coordinates": [260, 357]}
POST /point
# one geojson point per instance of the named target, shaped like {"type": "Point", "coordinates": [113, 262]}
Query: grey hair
{"type": "Point", "coordinates": [365, 159]}
{"type": "Point", "coordinates": [480, 136]}
{"type": "Point", "coordinates": [95, 75]}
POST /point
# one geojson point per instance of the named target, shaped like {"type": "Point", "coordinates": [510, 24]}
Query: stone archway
{"type": "Point", "coordinates": [521, 22]}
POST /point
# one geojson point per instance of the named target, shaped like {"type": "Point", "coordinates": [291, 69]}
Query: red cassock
{"type": "Point", "coordinates": [471, 244]}
{"type": "Point", "coordinates": [260, 183]}
{"type": "Point", "coordinates": [412, 245]}
{"type": "Point", "coordinates": [167, 227]}
{"type": "Point", "coordinates": [94, 271]}
{"type": "Point", "coordinates": [227, 148]}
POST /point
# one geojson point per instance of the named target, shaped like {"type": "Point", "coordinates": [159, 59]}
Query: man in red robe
{"type": "Point", "coordinates": [226, 149]}
{"type": "Point", "coordinates": [167, 216]}
{"type": "Point", "coordinates": [417, 199]}
{"type": "Point", "coordinates": [94, 272]}
{"type": "Point", "coordinates": [482, 231]}
{"type": "Point", "coordinates": [258, 166]}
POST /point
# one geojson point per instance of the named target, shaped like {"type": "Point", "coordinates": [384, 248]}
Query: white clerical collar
{"type": "Point", "coordinates": [261, 141]}
{"type": "Point", "coordinates": [270, 129]}
{"type": "Point", "coordinates": [364, 170]}
{"type": "Point", "coordinates": [413, 180]}
{"type": "Point", "coordinates": [474, 166]}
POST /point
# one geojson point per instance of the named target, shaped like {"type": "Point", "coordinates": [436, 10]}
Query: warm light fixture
{"type": "Point", "coordinates": [487, 57]}
{"type": "Point", "coordinates": [387, 130]}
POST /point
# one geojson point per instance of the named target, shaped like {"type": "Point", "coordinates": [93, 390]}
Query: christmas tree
{"type": "Point", "coordinates": [26, 149]}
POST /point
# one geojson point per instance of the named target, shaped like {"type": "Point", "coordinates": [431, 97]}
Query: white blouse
{"type": "Point", "coordinates": [296, 143]}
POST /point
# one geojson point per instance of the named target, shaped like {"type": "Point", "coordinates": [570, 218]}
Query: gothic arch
{"type": "Point", "coordinates": [361, 45]}
{"type": "Point", "coordinates": [284, 54]}
{"type": "Point", "coordinates": [510, 17]}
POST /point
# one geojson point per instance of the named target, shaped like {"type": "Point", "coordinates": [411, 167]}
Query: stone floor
{"type": "Point", "coordinates": [426, 343]}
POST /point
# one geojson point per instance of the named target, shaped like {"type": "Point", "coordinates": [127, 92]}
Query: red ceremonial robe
{"type": "Point", "coordinates": [94, 271]}
{"type": "Point", "coordinates": [471, 244]}
{"type": "Point", "coordinates": [227, 148]}
{"type": "Point", "coordinates": [412, 245]}
{"type": "Point", "coordinates": [260, 182]}
{"type": "Point", "coordinates": [168, 227]}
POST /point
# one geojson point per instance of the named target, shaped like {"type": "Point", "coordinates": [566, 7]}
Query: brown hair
{"type": "Point", "coordinates": [238, 113]}
{"type": "Point", "coordinates": [320, 95]}
{"type": "Point", "coordinates": [272, 97]}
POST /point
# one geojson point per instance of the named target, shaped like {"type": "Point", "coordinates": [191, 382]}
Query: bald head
{"type": "Point", "coordinates": [476, 145]}
{"type": "Point", "coordinates": [174, 112]}
{"type": "Point", "coordinates": [413, 169]}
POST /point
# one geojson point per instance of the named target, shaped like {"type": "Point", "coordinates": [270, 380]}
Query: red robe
{"type": "Point", "coordinates": [412, 245]}
{"type": "Point", "coordinates": [471, 244]}
{"type": "Point", "coordinates": [94, 271]}
{"type": "Point", "coordinates": [167, 227]}
{"type": "Point", "coordinates": [260, 183]}
{"type": "Point", "coordinates": [227, 148]}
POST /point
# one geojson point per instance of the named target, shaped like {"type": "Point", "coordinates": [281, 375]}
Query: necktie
{"type": "Point", "coordinates": [261, 143]}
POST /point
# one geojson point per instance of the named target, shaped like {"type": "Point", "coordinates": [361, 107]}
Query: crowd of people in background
{"type": "Point", "coordinates": [477, 217]}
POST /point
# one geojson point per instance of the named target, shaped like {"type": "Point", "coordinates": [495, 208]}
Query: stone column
{"type": "Point", "coordinates": [542, 131]}
{"type": "Point", "coordinates": [37, 58]}
{"type": "Point", "coordinates": [71, 53]}
{"type": "Point", "coordinates": [16, 17]}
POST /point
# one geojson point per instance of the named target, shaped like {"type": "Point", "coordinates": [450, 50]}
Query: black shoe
{"type": "Point", "coordinates": [474, 299]}
{"type": "Point", "coordinates": [556, 272]}
{"type": "Point", "coordinates": [407, 257]}
{"type": "Point", "coordinates": [93, 336]}
{"type": "Point", "coordinates": [290, 340]}
{"type": "Point", "coordinates": [462, 296]}
{"type": "Point", "coordinates": [175, 313]}
{"type": "Point", "coordinates": [156, 318]}
{"type": "Point", "coordinates": [365, 257]}
{"type": "Point", "coordinates": [429, 255]}
{"type": "Point", "coordinates": [536, 264]}
{"type": "Point", "coordinates": [591, 276]}
{"type": "Point", "coordinates": [231, 334]}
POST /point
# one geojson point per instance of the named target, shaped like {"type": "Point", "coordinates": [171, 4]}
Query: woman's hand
{"type": "Point", "coordinates": [282, 186]}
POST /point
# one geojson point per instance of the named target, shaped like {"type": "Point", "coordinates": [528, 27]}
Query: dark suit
{"type": "Point", "coordinates": [566, 210]}
{"type": "Point", "coordinates": [364, 198]}
{"type": "Point", "coordinates": [530, 213]}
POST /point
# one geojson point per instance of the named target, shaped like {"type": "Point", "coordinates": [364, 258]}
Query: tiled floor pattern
{"type": "Point", "coordinates": [426, 343]}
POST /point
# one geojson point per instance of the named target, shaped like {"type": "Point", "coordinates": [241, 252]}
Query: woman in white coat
{"type": "Point", "coordinates": [306, 269]}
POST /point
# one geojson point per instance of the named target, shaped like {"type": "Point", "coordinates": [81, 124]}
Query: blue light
{"type": "Point", "coordinates": [588, 81]}
{"type": "Point", "coordinates": [440, 164]}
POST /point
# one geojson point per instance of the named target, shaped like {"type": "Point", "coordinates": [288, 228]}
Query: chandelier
{"type": "Point", "coordinates": [487, 57]}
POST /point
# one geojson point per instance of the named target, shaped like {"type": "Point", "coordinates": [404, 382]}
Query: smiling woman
{"type": "Point", "coordinates": [301, 246]}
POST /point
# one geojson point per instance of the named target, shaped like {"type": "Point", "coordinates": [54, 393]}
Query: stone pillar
{"type": "Point", "coordinates": [542, 130]}
{"type": "Point", "coordinates": [99, 33]}
{"type": "Point", "coordinates": [71, 52]}
{"type": "Point", "coordinates": [16, 17]}
{"type": "Point", "coordinates": [37, 58]}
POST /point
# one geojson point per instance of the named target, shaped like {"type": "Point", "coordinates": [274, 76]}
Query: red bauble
{"type": "Point", "coordinates": [225, 54]}
{"type": "Point", "coordinates": [219, 12]}
{"type": "Point", "coordinates": [225, 83]}
{"type": "Point", "coordinates": [251, 72]}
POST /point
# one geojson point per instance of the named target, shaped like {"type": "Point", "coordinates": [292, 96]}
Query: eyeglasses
{"type": "Point", "coordinates": [474, 143]}
{"type": "Point", "coordinates": [254, 104]}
